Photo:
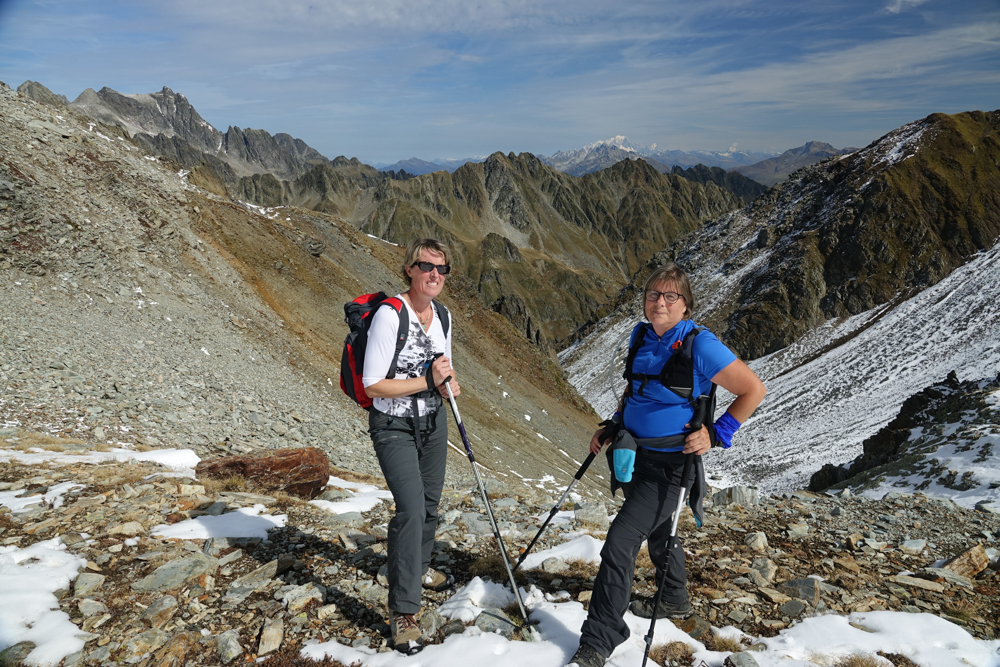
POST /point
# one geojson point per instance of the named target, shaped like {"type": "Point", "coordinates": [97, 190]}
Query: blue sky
{"type": "Point", "coordinates": [384, 80]}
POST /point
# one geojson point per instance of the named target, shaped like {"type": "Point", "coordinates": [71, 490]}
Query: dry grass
{"type": "Point", "coordinates": [142, 447]}
{"type": "Point", "coordinates": [285, 498]}
{"type": "Point", "coordinates": [643, 559]}
{"type": "Point", "coordinates": [714, 642]}
{"type": "Point", "coordinates": [859, 660]}
{"type": "Point", "coordinates": [118, 474]}
{"type": "Point", "coordinates": [491, 566]}
{"type": "Point", "coordinates": [289, 656]}
{"type": "Point", "coordinates": [962, 609]}
{"type": "Point", "coordinates": [581, 569]}
{"type": "Point", "coordinates": [898, 660]}
{"type": "Point", "coordinates": [674, 654]}
{"type": "Point", "coordinates": [44, 440]}
{"type": "Point", "coordinates": [359, 477]}
{"type": "Point", "coordinates": [214, 487]}
{"type": "Point", "coordinates": [102, 447]}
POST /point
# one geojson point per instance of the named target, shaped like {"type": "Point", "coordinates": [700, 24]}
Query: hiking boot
{"type": "Point", "coordinates": [406, 635]}
{"type": "Point", "coordinates": [644, 609]}
{"type": "Point", "coordinates": [587, 656]}
{"type": "Point", "coordinates": [437, 581]}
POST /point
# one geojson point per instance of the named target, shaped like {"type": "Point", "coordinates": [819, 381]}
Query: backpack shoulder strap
{"type": "Point", "coordinates": [443, 315]}
{"type": "Point", "coordinates": [633, 350]}
{"type": "Point", "coordinates": [401, 332]}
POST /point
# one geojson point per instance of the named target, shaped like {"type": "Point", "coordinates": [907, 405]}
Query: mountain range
{"type": "Point", "coordinates": [764, 168]}
{"type": "Point", "coordinates": [776, 169]}
{"type": "Point", "coordinates": [822, 282]}
{"type": "Point", "coordinates": [515, 223]}
{"type": "Point", "coordinates": [850, 287]}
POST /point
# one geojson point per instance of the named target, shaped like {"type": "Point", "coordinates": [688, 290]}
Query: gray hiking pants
{"type": "Point", "coordinates": [415, 478]}
{"type": "Point", "coordinates": [646, 513]}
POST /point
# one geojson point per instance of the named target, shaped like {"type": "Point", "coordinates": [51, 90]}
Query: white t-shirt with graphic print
{"type": "Point", "coordinates": [421, 347]}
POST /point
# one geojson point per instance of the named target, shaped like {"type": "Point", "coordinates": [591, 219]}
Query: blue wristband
{"type": "Point", "coordinates": [725, 427]}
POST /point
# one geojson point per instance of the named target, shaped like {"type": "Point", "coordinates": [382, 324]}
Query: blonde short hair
{"type": "Point", "coordinates": [671, 273]}
{"type": "Point", "coordinates": [417, 246]}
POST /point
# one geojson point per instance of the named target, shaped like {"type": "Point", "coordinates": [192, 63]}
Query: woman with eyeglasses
{"type": "Point", "coordinates": [658, 419]}
{"type": "Point", "coordinates": [409, 430]}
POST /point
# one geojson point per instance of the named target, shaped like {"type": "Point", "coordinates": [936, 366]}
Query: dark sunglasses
{"type": "Point", "coordinates": [427, 267]}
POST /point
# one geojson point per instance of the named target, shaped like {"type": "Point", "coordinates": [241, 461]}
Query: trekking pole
{"type": "Point", "coordinates": [486, 500]}
{"type": "Point", "coordinates": [555, 508]}
{"type": "Point", "coordinates": [696, 424]}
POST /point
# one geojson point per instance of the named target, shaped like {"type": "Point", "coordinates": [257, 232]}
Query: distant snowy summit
{"type": "Point", "coordinates": [602, 154]}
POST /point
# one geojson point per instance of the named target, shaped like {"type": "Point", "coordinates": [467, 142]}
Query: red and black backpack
{"type": "Point", "coordinates": [359, 314]}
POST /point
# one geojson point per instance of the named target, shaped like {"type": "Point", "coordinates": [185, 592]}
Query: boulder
{"type": "Point", "coordinates": [593, 514]}
{"type": "Point", "coordinates": [756, 541]}
{"type": "Point", "coordinates": [176, 573]}
{"type": "Point", "coordinates": [271, 636]}
{"type": "Point", "coordinates": [970, 562]}
{"type": "Point", "coordinates": [737, 495]}
{"type": "Point", "coordinates": [302, 472]}
{"type": "Point", "coordinates": [807, 589]}
{"type": "Point", "coordinates": [495, 620]}
{"type": "Point", "coordinates": [228, 647]}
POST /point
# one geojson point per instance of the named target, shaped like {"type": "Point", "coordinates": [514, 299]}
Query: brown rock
{"type": "Point", "coordinates": [848, 564]}
{"type": "Point", "coordinates": [172, 653]}
{"type": "Point", "coordinates": [301, 472]}
{"type": "Point", "coordinates": [696, 627]}
{"type": "Point", "coordinates": [970, 562]}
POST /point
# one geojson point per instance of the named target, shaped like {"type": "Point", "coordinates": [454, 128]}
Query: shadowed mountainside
{"type": "Point", "coordinates": [846, 235]}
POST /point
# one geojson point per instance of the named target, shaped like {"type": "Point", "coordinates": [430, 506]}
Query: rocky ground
{"type": "Point", "coordinates": [756, 564]}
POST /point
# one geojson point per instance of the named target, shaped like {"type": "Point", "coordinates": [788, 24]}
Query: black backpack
{"type": "Point", "coordinates": [677, 375]}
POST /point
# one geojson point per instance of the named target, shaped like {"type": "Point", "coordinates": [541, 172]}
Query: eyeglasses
{"type": "Point", "coordinates": [427, 267]}
{"type": "Point", "coordinates": [668, 297]}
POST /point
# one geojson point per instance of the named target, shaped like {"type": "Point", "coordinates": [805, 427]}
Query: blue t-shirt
{"type": "Point", "coordinates": [661, 412]}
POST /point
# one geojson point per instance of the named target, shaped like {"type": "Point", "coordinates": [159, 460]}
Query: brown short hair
{"type": "Point", "coordinates": [671, 273]}
{"type": "Point", "coordinates": [419, 245]}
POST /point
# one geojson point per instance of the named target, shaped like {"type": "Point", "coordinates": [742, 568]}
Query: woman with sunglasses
{"type": "Point", "coordinates": [658, 420]}
{"type": "Point", "coordinates": [409, 430]}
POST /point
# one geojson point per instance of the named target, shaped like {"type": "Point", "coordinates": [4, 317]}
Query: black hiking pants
{"type": "Point", "coordinates": [645, 515]}
{"type": "Point", "coordinates": [415, 478]}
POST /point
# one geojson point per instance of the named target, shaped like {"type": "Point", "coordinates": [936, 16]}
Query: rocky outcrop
{"type": "Point", "coordinates": [164, 112]}
{"type": "Point", "coordinates": [165, 123]}
{"type": "Point", "coordinates": [40, 93]}
{"type": "Point", "coordinates": [906, 447]}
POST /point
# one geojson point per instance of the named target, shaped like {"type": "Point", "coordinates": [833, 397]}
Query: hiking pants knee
{"type": "Point", "coordinates": [645, 514]}
{"type": "Point", "coordinates": [415, 478]}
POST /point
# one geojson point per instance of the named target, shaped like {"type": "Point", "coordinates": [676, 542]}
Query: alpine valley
{"type": "Point", "coordinates": [170, 292]}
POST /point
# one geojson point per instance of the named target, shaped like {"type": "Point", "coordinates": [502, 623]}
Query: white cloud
{"type": "Point", "coordinates": [896, 6]}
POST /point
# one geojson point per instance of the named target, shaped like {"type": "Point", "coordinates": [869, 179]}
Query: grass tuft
{"type": "Point", "coordinates": [898, 660]}
{"type": "Point", "coordinates": [962, 609]}
{"type": "Point", "coordinates": [859, 660]}
{"type": "Point", "coordinates": [491, 567]}
{"type": "Point", "coordinates": [714, 642]}
{"type": "Point", "coordinates": [674, 654]}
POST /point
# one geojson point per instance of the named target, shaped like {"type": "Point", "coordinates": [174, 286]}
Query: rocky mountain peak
{"type": "Point", "coordinates": [40, 93]}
